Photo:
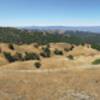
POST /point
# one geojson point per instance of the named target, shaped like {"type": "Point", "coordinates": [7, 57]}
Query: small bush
{"type": "Point", "coordinates": [37, 64]}
{"type": "Point", "coordinates": [46, 52]}
{"type": "Point", "coordinates": [58, 52]}
{"type": "Point", "coordinates": [31, 56]}
{"type": "Point", "coordinates": [11, 46]}
{"type": "Point", "coordinates": [43, 54]}
{"type": "Point", "coordinates": [69, 49]}
{"type": "Point", "coordinates": [72, 47]}
{"type": "Point", "coordinates": [19, 56]}
{"type": "Point", "coordinates": [95, 46]}
{"type": "Point", "coordinates": [9, 57]}
{"type": "Point", "coordinates": [70, 57]}
{"type": "Point", "coordinates": [66, 49]}
{"type": "Point", "coordinates": [96, 62]}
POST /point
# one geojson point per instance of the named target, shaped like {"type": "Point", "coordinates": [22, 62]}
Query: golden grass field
{"type": "Point", "coordinates": [58, 78]}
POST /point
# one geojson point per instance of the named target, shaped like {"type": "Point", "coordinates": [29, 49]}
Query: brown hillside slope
{"type": "Point", "coordinates": [58, 78]}
{"type": "Point", "coordinates": [61, 85]}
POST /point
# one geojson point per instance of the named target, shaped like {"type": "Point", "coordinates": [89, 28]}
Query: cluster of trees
{"type": "Point", "coordinates": [14, 35]}
{"type": "Point", "coordinates": [21, 57]}
{"type": "Point", "coordinates": [96, 46]}
{"type": "Point", "coordinates": [46, 52]}
{"type": "Point", "coordinates": [21, 36]}
{"type": "Point", "coordinates": [9, 57]}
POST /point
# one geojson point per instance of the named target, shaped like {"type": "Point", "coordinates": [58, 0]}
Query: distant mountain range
{"type": "Point", "coordinates": [95, 29]}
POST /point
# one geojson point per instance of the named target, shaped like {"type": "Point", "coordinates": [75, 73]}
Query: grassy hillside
{"type": "Point", "coordinates": [54, 71]}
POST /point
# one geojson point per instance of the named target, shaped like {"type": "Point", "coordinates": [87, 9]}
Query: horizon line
{"type": "Point", "coordinates": [49, 25]}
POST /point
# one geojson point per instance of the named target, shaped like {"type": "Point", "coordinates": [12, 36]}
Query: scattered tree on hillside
{"type": "Point", "coordinates": [70, 57]}
{"type": "Point", "coordinates": [11, 46]}
{"type": "Point", "coordinates": [58, 52]}
{"type": "Point", "coordinates": [19, 56]}
{"type": "Point", "coordinates": [46, 52]}
{"type": "Point", "coordinates": [96, 62]}
{"type": "Point", "coordinates": [37, 64]}
{"type": "Point", "coordinates": [9, 57]}
{"type": "Point", "coordinates": [96, 46]}
{"type": "Point", "coordinates": [31, 56]}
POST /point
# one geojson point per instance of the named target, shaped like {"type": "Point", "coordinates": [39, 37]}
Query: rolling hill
{"type": "Point", "coordinates": [94, 29]}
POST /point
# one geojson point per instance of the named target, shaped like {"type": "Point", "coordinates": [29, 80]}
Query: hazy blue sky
{"type": "Point", "coordinates": [49, 12]}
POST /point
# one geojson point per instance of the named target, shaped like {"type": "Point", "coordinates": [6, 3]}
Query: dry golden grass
{"type": "Point", "coordinates": [58, 78]}
{"type": "Point", "coordinates": [82, 50]}
{"type": "Point", "coordinates": [62, 85]}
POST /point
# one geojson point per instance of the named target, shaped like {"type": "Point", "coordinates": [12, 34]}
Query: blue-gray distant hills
{"type": "Point", "coordinates": [95, 29]}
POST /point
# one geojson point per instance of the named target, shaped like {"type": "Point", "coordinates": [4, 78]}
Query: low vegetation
{"type": "Point", "coordinates": [96, 62]}
{"type": "Point", "coordinates": [31, 56]}
{"type": "Point", "coordinates": [45, 52]}
{"type": "Point", "coordinates": [9, 57]}
{"type": "Point", "coordinates": [70, 57]}
{"type": "Point", "coordinates": [10, 46]}
{"type": "Point", "coordinates": [58, 52]}
{"type": "Point", "coordinates": [20, 57]}
{"type": "Point", "coordinates": [96, 46]}
{"type": "Point", "coordinates": [37, 64]}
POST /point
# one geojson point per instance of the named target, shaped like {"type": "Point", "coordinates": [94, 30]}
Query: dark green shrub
{"type": "Point", "coordinates": [58, 52]}
{"type": "Point", "coordinates": [9, 57]}
{"type": "Point", "coordinates": [37, 64]}
{"type": "Point", "coordinates": [70, 57]}
{"type": "Point", "coordinates": [31, 56]}
{"type": "Point", "coordinates": [71, 48]}
{"type": "Point", "coordinates": [95, 46]}
{"type": "Point", "coordinates": [66, 49]}
{"type": "Point", "coordinates": [43, 54]}
{"type": "Point", "coordinates": [96, 62]}
{"type": "Point", "coordinates": [11, 46]}
{"type": "Point", "coordinates": [46, 52]}
{"type": "Point", "coordinates": [19, 56]}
